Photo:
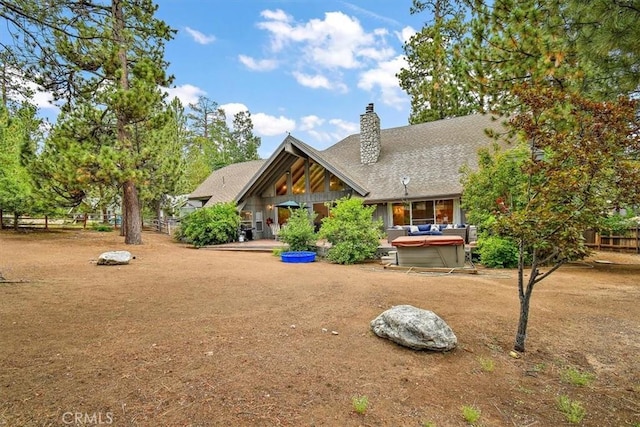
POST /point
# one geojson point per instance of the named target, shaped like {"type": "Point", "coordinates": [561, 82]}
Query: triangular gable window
{"type": "Point", "coordinates": [336, 184]}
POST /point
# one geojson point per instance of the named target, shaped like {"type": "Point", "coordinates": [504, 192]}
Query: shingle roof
{"type": "Point", "coordinates": [431, 154]}
{"type": "Point", "coordinates": [224, 184]}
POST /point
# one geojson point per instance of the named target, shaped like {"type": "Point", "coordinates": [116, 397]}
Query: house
{"type": "Point", "coordinates": [411, 173]}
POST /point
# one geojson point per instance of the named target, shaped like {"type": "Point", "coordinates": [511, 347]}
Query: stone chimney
{"type": "Point", "coordinates": [369, 136]}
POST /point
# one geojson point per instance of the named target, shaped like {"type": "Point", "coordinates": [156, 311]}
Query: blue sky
{"type": "Point", "coordinates": [308, 67]}
{"type": "Point", "coordinates": [305, 67]}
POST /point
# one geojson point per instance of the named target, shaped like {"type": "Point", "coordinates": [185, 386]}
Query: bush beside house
{"type": "Point", "coordinates": [299, 233]}
{"type": "Point", "coordinates": [352, 232]}
{"type": "Point", "coordinates": [210, 226]}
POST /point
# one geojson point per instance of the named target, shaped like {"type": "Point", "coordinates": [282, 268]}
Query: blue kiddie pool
{"type": "Point", "coordinates": [298, 257]}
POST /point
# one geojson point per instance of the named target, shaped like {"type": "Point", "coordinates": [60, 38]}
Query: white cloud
{"type": "Point", "coordinates": [384, 78]}
{"type": "Point", "coordinates": [324, 138]}
{"type": "Point", "coordinates": [38, 97]}
{"type": "Point", "coordinates": [42, 100]}
{"type": "Point", "coordinates": [275, 15]}
{"type": "Point", "coordinates": [405, 34]}
{"type": "Point", "coordinates": [315, 48]}
{"type": "Point", "coordinates": [277, 23]}
{"type": "Point", "coordinates": [187, 94]}
{"type": "Point", "coordinates": [319, 81]}
{"type": "Point", "coordinates": [314, 82]}
{"type": "Point", "coordinates": [310, 122]}
{"type": "Point", "coordinates": [335, 130]}
{"type": "Point", "coordinates": [233, 108]}
{"type": "Point", "coordinates": [267, 125]}
{"type": "Point", "coordinates": [258, 65]}
{"type": "Point", "coordinates": [344, 127]}
{"type": "Point", "coordinates": [263, 124]}
{"type": "Point", "coordinates": [199, 37]}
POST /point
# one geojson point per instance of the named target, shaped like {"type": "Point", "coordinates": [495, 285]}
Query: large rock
{"type": "Point", "coordinates": [414, 328]}
{"type": "Point", "coordinates": [114, 258]}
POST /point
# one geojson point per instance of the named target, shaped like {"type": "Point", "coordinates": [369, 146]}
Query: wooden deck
{"type": "Point", "coordinates": [268, 245]}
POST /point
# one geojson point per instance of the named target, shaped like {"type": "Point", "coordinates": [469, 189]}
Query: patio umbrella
{"type": "Point", "coordinates": [288, 204]}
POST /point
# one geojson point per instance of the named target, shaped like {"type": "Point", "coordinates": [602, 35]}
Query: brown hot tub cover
{"type": "Point", "coordinates": [422, 241]}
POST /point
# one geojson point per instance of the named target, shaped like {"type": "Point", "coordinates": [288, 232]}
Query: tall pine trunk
{"type": "Point", "coordinates": [133, 233]}
{"type": "Point", "coordinates": [132, 221]}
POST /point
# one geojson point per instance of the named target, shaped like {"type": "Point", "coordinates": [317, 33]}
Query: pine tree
{"type": "Point", "coordinates": [435, 77]}
{"type": "Point", "coordinates": [246, 144]}
{"type": "Point", "coordinates": [19, 135]}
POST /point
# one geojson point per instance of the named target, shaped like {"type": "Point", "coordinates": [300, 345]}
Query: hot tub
{"type": "Point", "coordinates": [430, 251]}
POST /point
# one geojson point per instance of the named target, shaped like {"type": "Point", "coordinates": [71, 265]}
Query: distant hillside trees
{"type": "Point", "coordinates": [213, 145]}
{"type": "Point", "coordinates": [20, 133]}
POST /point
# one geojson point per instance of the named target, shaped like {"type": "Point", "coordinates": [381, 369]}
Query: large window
{"type": "Point", "coordinates": [335, 184]}
{"type": "Point", "coordinates": [401, 214]}
{"type": "Point", "coordinates": [281, 185]}
{"type": "Point", "coordinates": [444, 211]}
{"type": "Point", "coordinates": [303, 177]}
{"type": "Point", "coordinates": [316, 177]}
{"type": "Point", "coordinates": [246, 218]}
{"type": "Point", "coordinates": [298, 177]}
{"type": "Point", "coordinates": [423, 212]}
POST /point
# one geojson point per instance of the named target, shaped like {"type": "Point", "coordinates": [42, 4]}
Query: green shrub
{"type": "Point", "coordinates": [616, 225]}
{"type": "Point", "coordinates": [278, 251]}
{"type": "Point", "coordinates": [360, 404]}
{"type": "Point", "coordinates": [576, 377]}
{"type": "Point", "coordinates": [573, 410]}
{"type": "Point", "coordinates": [101, 227]}
{"type": "Point", "coordinates": [298, 233]}
{"type": "Point", "coordinates": [211, 226]}
{"type": "Point", "coordinates": [471, 414]}
{"type": "Point", "coordinates": [497, 252]}
{"type": "Point", "coordinates": [350, 229]}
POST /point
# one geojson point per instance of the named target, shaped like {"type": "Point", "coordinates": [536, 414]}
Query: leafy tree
{"type": "Point", "coordinates": [19, 136]}
{"type": "Point", "coordinates": [246, 144]}
{"type": "Point", "coordinates": [202, 115]}
{"type": "Point", "coordinates": [534, 61]}
{"type": "Point", "coordinates": [210, 226]}
{"type": "Point", "coordinates": [77, 156]}
{"type": "Point", "coordinates": [210, 135]}
{"type": "Point", "coordinates": [106, 53]}
{"type": "Point", "coordinates": [350, 229]}
{"type": "Point", "coordinates": [435, 74]}
{"type": "Point", "coordinates": [164, 164]}
{"type": "Point", "coordinates": [299, 232]}
{"type": "Point", "coordinates": [580, 164]}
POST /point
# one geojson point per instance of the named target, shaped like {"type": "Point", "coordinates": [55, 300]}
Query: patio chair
{"type": "Point", "coordinates": [275, 230]}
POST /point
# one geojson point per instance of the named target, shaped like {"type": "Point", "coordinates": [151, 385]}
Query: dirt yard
{"type": "Point", "coordinates": [186, 337]}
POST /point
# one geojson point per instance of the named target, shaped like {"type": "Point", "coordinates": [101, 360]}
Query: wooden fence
{"type": "Point", "coordinates": [628, 242]}
{"type": "Point", "coordinates": [82, 221]}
